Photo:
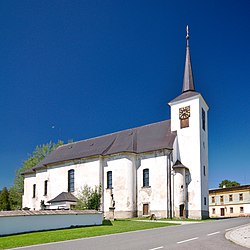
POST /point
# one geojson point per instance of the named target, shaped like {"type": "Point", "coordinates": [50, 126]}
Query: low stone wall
{"type": "Point", "coordinates": [13, 222]}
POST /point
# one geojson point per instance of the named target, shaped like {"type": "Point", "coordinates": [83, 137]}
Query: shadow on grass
{"type": "Point", "coordinates": [107, 223]}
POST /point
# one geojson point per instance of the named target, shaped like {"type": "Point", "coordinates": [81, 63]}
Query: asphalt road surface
{"type": "Point", "coordinates": [202, 236]}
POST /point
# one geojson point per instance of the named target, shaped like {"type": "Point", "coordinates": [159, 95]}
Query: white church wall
{"type": "Point", "coordinates": [156, 194]}
{"type": "Point", "coordinates": [204, 158]}
{"type": "Point", "coordinates": [86, 172]}
{"type": "Point", "coordinates": [27, 200]}
{"type": "Point", "coordinates": [123, 185]}
{"type": "Point", "coordinates": [41, 177]}
{"type": "Point", "coordinates": [179, 180]}
{"type": "Point", "coordinates": [57, 176]}
{"type": "Point", "coordinates": [190, 154]}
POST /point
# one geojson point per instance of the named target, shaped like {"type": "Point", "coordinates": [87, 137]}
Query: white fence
{"type": "Point", "coordinates": [28, 221]}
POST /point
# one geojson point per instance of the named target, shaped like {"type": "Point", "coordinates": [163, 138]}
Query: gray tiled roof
{"type": "Point", "coordinates": [178, 164]}
{"type": "Point", "coordinates": [142, 139]}
{"type": "Point", "coordinates": [188, 82]}
{"type": "Point", "coordinates": [185, 95]}
{"type": "Point", "coordinates": [64, 196]}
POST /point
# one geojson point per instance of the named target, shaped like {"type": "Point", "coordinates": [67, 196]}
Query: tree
{"type": "Point", "coordinates": [89, 198]}
{"type": "Point", "coordinates": [4, 200]}
{"type": "Point", "coordinates": [37, 155]}
{"type": "Point", "coordinates": [227, 183]}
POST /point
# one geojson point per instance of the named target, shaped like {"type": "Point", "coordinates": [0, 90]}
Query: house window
{"type": "Point", "coordinates": [34, 190]}
{"type": "Point", "coordinates": [71, 180]}
{"type": "Point", "coordinates": [146, 177]}
{"type": "Point", "coordinates": [145, 209]}
{"type": "Point", "coordinates": [109, 179]}
{"type": "Point", "coordinates": [213, 199]}
{"type": "Point", "coordinates": [231, 210]}
{"type": "Point", "coordinates": [203, 119]}
{"type": "Point", "coordinates": [45, 187]}
{"type": "Point", "coordinates": [205, 201]}
{"type": "Point", "coordinates": [213, 211]}
{"type": "Point", "coordinates": [241, 209]}
{"type": "Point", "coordinates": [241, 197]}
{"type": "Point", "coordinates": [204, 170]}
{"type": "Point", "coordinates": [221, 198]}
{"type": "Point", "coordinates": [230, 197]}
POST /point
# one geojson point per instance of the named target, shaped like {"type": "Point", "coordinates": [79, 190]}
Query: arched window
{"type": "Point", "coordinates": [45, 187]}
{"type": "Point", "coordinates": [203, 119]}
{"type": "Point", "coordinates": [146, 177]}
{"type": "Point", "coordinates": [34, 190]}
{"type": "Point", "coordinates": [109, 179]}
{"type": "Point", "coordinates": [71, 180]}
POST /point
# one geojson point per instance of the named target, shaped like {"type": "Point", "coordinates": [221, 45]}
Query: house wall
{"type": "Point", "coordinates": [192, 151]}
{"type": "Point", "coordinates": [227, 210]}
{"type": "Point", "coordinates": [20, 224]}
{"type": "Point", "coordinates": [216, 207]}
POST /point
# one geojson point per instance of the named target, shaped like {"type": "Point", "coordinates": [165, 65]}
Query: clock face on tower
{"type": "Point", "coordinates": [184, 113]}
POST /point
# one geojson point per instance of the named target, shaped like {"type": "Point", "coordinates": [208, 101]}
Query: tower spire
{"type": "Point", "coordinates": [188, 83]}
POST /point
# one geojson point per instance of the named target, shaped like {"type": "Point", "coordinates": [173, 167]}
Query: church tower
{"type": "Point", "coordinates": [190, 160]}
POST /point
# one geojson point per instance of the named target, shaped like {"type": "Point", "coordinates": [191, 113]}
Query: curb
{"type": "Point", "coordinates": [240, 235]}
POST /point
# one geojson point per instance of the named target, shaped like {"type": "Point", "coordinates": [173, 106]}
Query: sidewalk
{"type": "Point", "coordinates": [240, 236]}
{"type": "Point", "coordinates": [172, 221]}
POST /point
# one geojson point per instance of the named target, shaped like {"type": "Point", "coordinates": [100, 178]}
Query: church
{"type": "Point", "coordinates": [159, 168]}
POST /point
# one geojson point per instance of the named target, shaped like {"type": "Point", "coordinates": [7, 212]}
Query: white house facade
{"type": "Point", "coordinates": [229, 201]}
{"type": "Point", "coordinates": [160, 168]}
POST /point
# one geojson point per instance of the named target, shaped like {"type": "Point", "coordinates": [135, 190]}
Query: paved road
{"type": "Point", "coordinates": [205, 236]}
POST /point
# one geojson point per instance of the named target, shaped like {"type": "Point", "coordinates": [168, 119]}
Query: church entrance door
{"type": "Point", "coordinates": [181, 210]}
{"type": "Point", "coordinates": [145, 209]}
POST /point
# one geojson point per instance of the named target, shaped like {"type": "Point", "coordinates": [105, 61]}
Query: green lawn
{"type": "Point", "coordinates": [108, 227]}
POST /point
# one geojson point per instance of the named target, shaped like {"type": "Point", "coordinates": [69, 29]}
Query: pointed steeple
{"type": "Point", "coordinates": [188, 83]}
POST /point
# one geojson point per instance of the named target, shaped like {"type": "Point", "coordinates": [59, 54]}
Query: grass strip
{"type": "Point", "coordinates": [118, 226]}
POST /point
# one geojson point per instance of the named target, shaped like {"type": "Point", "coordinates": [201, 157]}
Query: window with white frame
{"type": "Point", "coordinates": [45, 187]}
{"type": "Point", "coordinates": [71, 180]}
{"type": "Point", "coordinates": [146, 177]}
{"type": "Point", "coordinates": [34, 190]}
{"type": "Point", "coordinates": [109, 179]}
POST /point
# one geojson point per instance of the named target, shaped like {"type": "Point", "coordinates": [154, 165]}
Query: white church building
{"type": "Point", "coordinates": [159, 168]}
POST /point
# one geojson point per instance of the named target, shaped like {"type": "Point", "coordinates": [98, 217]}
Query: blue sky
{"type": "Point", "coordinates": [80, 69]}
